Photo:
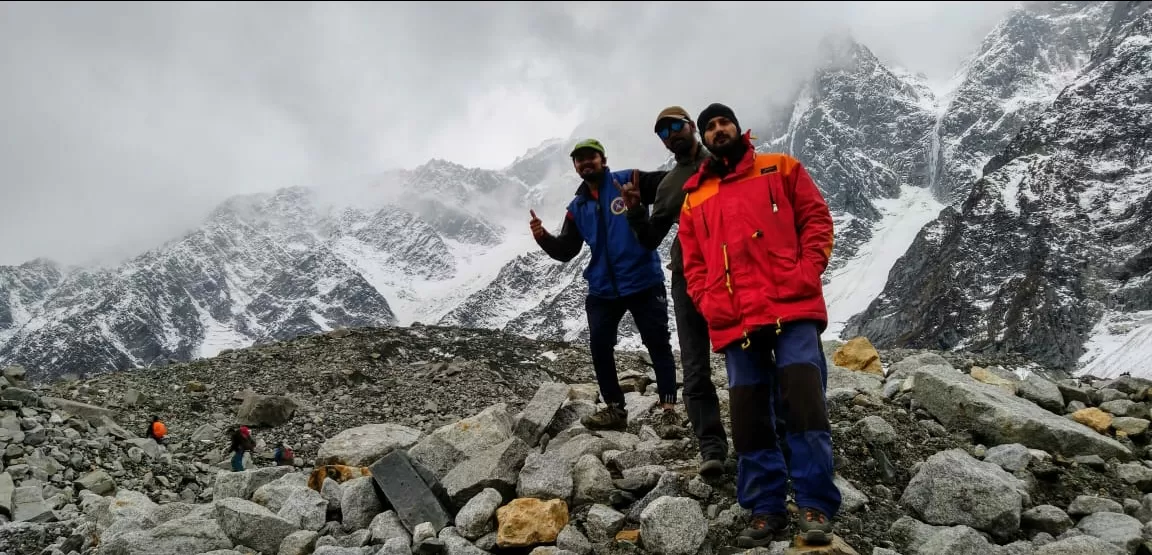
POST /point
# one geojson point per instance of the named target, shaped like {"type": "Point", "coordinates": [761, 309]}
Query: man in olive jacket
{"type": "Point", "coordinates": [677, 131]}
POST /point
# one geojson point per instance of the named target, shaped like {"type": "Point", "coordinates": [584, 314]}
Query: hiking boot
{"type": "Point", "coordinates": [669, 425]}
{"type": "Point", "coordinates": [763, 530]}
{"type": "Point", "coordinates": [815, 526]}
{"type": "Point", "coordinates": [712, 468]}
{"type": "Point", "coordinates": [611, 417]}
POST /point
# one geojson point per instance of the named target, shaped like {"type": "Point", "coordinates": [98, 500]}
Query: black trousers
{"type": "Point", "coordinates": [695, 357]}
{"type": "Point", "coordinates": [649, 310]}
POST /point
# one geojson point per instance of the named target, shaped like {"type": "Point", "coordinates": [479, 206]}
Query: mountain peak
{"type": "Point", "coordinates": [545, 148]}
{"type": "Point", "coordinates": [841, 51]}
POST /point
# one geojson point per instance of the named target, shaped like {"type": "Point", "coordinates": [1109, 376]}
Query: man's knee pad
{"type": "Point", "coordinates": [752, 428]}
{"type": "Point", "coordinates": [802, 392]}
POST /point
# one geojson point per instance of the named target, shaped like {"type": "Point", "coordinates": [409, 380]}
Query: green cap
{"type": "Point", "coordinates": [588, 143]}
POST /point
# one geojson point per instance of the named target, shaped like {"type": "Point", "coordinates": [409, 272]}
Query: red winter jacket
{"type": "Point", "coordinates": [755, 244]}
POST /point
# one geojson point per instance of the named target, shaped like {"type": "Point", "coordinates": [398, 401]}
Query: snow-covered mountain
{"type": "Point", "coordinates": [864, 132]}
{"type": "Point", "coordinates": [889, 154]}
{"type": "Point", "coordinates": [1019, 69]}
{"type": "Point", "coordinates": [1050, 255]}
{"type": "Point", "coordinates": [449, 244]}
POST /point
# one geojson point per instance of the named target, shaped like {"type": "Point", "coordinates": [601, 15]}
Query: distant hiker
{"type": "Point", "coordinates": [756, 236]}
{"type": "Point", "coordinates": [283, 455]}
{"type": "Point", "coordinates": [623, 276]}
{"type": "Point", "coordinates": [241, 443]}
{"type": "Point", "coordinates": [156, 430]}
{"type": "Point", "coordinates": [676, 130]}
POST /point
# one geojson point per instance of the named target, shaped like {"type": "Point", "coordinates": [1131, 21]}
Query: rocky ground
{"type": "Point", "coordinates": [433, 440]}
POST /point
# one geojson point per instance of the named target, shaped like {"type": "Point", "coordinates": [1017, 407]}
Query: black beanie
{"type": "Point", "coordinates": [713, 110]}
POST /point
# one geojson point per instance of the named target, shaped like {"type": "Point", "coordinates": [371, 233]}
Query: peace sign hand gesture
{"type": "Point", "coordinates": [630, 192]}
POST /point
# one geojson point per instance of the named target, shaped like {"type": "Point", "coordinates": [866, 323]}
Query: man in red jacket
{"type": "Point", "coordinates": [756, 236]}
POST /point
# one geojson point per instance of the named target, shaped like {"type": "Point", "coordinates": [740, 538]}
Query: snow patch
{"type": "Point", "coordinates": [217, 335]}
{"type": "Point", "coordinates": [1119, 343]}
{"type": "Point", "coordinates": [862, 279]}
{"type": "Point", "coordinates": [413, 299]}
{"type": "Point", "coordinates": [1011, 191]}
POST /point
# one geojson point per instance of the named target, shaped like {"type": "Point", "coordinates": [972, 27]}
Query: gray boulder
{"type": "Point", "coordinates": [451, 444]}
{"type": "Point", "coordinates": [673, 526]}
{"type": "Point", "coordinates": [1046, 518]}
{"type": "Point", "coordinates": [386, 526]}
{"type": "Point", "coordinates": [183, 536]}
{"type": "Point", "coordinates": [538, 415]}
{"type": "Point", "coordinates": [305, 508]}
{"type": "Point", "coordinates": [360, 504]}
{"type": "Point", "coordinates": [1085, 505]}
{"type": "Point", "coordinates": [1136, 474]}
{"type": "Point", "coordinates": [602, 523]}
{"type": "Point", "coordinates": [545, 477]}
{"type": "Point", "coordinates": [1011, 457]}
{"type": "Point", "coordinates": [98, 482]}
{"type": "Point", "coordinates": [476, 518]}
{"type": "Point", "coordinates": [273, 494]}
{"type": "Point", "coordinates": [1080, 545]}
{"type": "Point", "coordinates": [958, 401]}
{"type": "Point", "coordinates": [244, 484]}
{"type": "Point", "coordinates": [852, 499]}
{"type": "Point", "coordinates": [842, 378]}
{"type": "Point", "coordinates": [875, 429]}
{"type": "Point", "coordinates": [570, 539]}
{"type": "Point", "coordinates": [592, 483]}
{"type": "Point", "coordinates": [266, 410]}
{"type": "Point", "coordinates": [1117, 529]}
{"type": "Point", "coordinates": [1044, 393]}
{"type": "Point", "coordinates": [953, 488]}
{"type": "Point", "coordinates": [957, 540]}
{"type": "Point", "coordinates": [29, 505]}
{"type": "Point", "coordinates": [364, 445]}
{"type": "Point", "coordinates": [496, 468]}
{"type": "Point", "coordinates": [247, 523]}
{"type": "Point", "coordinates": [299, 543]}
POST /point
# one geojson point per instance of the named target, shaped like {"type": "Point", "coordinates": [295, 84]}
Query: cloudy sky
{"type": "Point", "coordinates": [124, 123]}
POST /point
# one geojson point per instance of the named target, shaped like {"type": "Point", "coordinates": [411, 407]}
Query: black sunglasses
{"type": "Point", "coordinates": [672, 127]}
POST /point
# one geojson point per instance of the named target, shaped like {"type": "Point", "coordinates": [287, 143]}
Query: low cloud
{"type": "Point", "coordinates": [124, 123]}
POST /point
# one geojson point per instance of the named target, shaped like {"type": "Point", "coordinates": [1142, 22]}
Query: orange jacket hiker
{"type": "Point", "coordinates": [755, 243]}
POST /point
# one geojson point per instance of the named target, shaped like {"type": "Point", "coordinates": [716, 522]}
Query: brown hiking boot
{"type": "Point", "coordinates": [669, 425]}
{"type": "Point", "coordinates": [815, 526]}
{"type": "Point", "coordinates": [611, 417]}
{"type": "Point", "coordinates": [763, 530]}
{"type": "Point", "coordinates": [712, 468]}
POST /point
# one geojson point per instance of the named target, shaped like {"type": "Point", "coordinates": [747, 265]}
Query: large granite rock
{"type": "Point", "coordinates": [958, 401]}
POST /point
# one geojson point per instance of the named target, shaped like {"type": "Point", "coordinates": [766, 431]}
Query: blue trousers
{"type": "Point", "coordinates": [237, 461]}
{"type": "Point", "coordinates": [781, 373]}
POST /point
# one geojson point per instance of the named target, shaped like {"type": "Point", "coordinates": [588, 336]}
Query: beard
{"type": "Point", "coordinates": [681, 147]}
{"type": "Point", "coordinates": [727, 147]}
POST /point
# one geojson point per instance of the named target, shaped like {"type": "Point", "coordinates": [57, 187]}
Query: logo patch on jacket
{"type": "Point", "coordinates": [769, 169]}
{"type": "Point", "coordinates": [618, 206]}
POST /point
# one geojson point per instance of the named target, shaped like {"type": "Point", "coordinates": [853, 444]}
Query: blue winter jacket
{"type": "Point", "coordinates": [620, 265]}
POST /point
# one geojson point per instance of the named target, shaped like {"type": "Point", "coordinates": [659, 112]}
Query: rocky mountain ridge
{"type": "Point", "coordinates": [448, 244]}
{"type": "Point", "coordinates": [1048, 255]}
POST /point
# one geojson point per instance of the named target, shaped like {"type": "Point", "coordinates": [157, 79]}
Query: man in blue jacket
{"type": "Point", "coordinates": [623, 276]}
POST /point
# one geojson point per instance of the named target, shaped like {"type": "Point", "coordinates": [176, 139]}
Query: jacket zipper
{"type": "Point", "coordinates": [607, 252]}
{"type": "Point", "coordinates": [772, 198]}
{"type": "Point", "coordinates": [727, 269]}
